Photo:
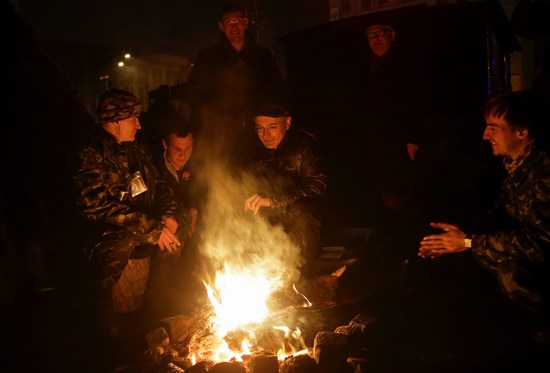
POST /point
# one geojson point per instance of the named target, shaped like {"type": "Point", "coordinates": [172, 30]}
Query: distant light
{"type": "Point", "coordinates": [127, 55]}
{"type": "Point", "coordinates": [120, 64]}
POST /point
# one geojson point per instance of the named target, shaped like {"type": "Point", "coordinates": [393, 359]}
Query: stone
{"type": "Point", "coordinates": [263, 362]}
{"type": "Point", "coordinates": [157, 338]}
{"type": "Point", "coordinates": [330, 351]}
{"type": "Point", "coordinates": [178, 327]}
{"type": "Point", "coordinates": [299, 364]}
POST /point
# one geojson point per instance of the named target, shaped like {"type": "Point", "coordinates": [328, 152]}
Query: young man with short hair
{"type": "Point", "coordinates": [514, 243]}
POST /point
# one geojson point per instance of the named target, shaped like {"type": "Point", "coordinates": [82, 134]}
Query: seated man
{"type": "Point", "coordinates": [290, 179]}
{"type": "Point", "coordinates": [127, 206]}
{"type": "Point", "coordinates": [177, 143]}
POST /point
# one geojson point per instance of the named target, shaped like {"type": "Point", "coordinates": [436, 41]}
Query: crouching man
{"type": "Point", "coordinates": [513, 242]}
{"type": "Point", "coordinates": [288, 169]}
{"type": "Point", "coordinates": [129, 209]}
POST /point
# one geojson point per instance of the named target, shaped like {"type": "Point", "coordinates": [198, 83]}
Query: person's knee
{"type": "Point", "coordinates": [304, 228]}
{"type": "Point", "coordinates": [111, 255]}
{"type": "Point", "coordinates": [522, 284]}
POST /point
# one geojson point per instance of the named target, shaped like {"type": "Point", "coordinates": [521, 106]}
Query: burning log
{"type": "Point", "coordinates": [157, 338]}
{"type": "Point", "coordinates": [179, 327]}
{"type": "Point", "coordinates": [299, 364]}
{"type": "Point", "coordinates": [235, 339]}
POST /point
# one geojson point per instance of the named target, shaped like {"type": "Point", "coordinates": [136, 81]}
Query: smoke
{"type": "Point", "coordinates": [237, 237]}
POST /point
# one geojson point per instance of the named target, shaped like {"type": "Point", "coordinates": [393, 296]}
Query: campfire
{"type": "Point", "coordinates": [255, 298]}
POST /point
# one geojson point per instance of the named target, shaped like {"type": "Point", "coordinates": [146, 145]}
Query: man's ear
{"type": "Point", "coordinates": [245, 24]}
{"type": "Point", "coordinates": [288, 122]}
{"type": "Point", "coordinates": [220, 26]}
{"type": "Point", "coordinates": [164, 145]}
{"type": "Point", "coordinates": [393, 35]}
{"type": "Point", "coordinates": [523, 133]}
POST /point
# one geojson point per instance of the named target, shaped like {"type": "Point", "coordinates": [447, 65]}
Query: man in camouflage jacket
{"type": "Point", "coordinates": [130, 209]}
{"type": "Point", "coordinates": [516, 243]}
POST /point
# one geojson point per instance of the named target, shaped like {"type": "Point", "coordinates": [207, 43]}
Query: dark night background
{"type": "Point", "coordinates": [164, 26]}
{"type": "Point", "coordinates": [457, 319]}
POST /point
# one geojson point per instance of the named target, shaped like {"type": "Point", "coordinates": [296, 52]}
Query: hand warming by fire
{"type": "Point", "coordinates": [255, 202]}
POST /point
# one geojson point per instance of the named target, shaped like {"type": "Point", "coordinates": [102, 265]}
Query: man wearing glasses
{"type": "Point", "coordinates": [290, 179]}
{"type": "Point", "coordinates": [227, 80]}
{"type": "Point", "coordinates": [393, 113]}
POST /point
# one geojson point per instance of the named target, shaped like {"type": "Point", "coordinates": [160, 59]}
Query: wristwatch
{"type": "Point", "coordinates": [468, 243]}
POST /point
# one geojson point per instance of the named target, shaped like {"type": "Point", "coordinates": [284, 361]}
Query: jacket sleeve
{"type": "Point", "coordinates": [100, 200]}
{"type": "Point", "coordinates": [164, 198]}
{"type": "Point", "coordinates": [310, 182]}
{"type": "Point", "coordinates": [524, 240]}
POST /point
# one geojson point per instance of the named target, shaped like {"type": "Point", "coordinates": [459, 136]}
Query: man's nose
{"type": "Point", "coordinates": [486, 135]}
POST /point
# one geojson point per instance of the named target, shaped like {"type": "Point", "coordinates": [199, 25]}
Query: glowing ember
{"type": "Point", "coordinates": [241, 317]}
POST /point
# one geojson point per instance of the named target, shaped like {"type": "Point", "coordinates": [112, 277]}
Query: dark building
{"type": "Point", "coordinates": [465, 49]}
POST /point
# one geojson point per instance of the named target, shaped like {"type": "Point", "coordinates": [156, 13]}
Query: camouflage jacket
{"type": "Point", "coordinates": [523, 230]}
{"type": "Point", "coordinates": [104, 189]}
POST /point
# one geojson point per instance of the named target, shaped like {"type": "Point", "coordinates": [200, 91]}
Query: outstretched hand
{"type": "Point", "coordinates": [448, 242]}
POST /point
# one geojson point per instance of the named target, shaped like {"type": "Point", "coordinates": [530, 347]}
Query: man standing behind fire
{"type": "Point", "coordinates": [393, 115]}
{"type": "Point", "coordinates": [513, 241]}
{"type": "Point", "coordinates": [130, 210]}
{"type": "Point", "coordinates": [290, 178]}
{"type": "Point", "coordinates": [227, 80]}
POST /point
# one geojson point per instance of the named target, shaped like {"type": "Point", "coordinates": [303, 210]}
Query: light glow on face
{"type": "Point", "coordinates": [126, 129]}
{"type": "Point", "coordinates": [233, 25]}
{"type": "Point", "coordinates": [504, 140]}
{"type": "Point", "coordinates": [178, 149]}
{"type": "Point", "coordinates": [271, 131]}
{"type": "Point", "coordinates": [380, 39]}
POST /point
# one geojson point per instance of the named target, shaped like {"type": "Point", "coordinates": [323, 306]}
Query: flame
{"type": "Point", "coordinates": [293, 340]}
{"type": "Point", "coordinates": [239, 298]}
{"type": "Point", "coordinates": [254, 260]}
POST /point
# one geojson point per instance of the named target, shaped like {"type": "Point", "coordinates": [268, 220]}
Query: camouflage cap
{"type": "Point", "coordinates": [116, 104]}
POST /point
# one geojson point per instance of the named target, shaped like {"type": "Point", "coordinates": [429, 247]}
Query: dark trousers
{"type": "Point", "coordinates": [303, 228]}
{"type": "Point", "coordinates": [524, 282]}
{"type": "Point", "coordinates": [109, 256]}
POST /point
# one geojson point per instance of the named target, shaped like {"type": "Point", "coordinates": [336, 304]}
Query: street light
{"type": "Point", "coordinates": [127, 56]}
{"type": "Point", "coordinates": [105, 78]}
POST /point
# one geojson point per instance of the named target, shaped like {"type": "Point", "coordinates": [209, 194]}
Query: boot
{"type": "Point", "coordinates": [107, 321]}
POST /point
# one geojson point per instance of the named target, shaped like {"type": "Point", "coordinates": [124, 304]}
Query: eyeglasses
{"type": "Point", "coordinates": [377, 34]}
{"type": "Point", "coordinates": [233, 21]}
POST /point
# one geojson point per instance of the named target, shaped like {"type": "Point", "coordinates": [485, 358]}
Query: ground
{"type": "Point", "coordinates": [444, 315]}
